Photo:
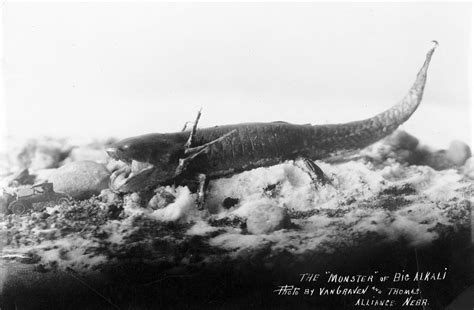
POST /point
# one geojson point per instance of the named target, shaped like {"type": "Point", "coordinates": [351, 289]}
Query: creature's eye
{"type": "Point", "coordinates": [122, 148]}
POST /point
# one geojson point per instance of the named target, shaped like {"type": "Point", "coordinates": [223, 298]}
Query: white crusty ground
{"type": "Point", "coordinates": [355, 196]}
{"type": "Point", "coordinates": [357, 180]}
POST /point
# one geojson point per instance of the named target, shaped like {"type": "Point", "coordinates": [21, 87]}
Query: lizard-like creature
{"type": "Point", "coordinates": [209, 153]}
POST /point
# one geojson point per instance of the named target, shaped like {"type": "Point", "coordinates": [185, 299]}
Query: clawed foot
{"type": "Point", "coordinates": [201, 199]}
{"type": "Point", "coordinates": [314, 171]}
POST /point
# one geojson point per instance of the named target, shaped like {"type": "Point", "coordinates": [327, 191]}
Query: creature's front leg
{"type": "Point", "coordinates": [202, 188]}
{"type": "Point", "coordinates": [192, 151]}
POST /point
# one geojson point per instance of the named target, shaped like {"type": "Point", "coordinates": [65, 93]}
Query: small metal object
{"type": "Point", "coordinates": [25, 198]}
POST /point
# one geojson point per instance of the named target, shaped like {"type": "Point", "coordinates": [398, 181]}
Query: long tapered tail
{"type": "Point", "coordinates": [362, 133]}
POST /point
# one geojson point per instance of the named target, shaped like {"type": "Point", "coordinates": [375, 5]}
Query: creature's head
{"type": "Point", "coordinates": [150, 159]}
{"type": "Point", "coordinates": [152, 148]}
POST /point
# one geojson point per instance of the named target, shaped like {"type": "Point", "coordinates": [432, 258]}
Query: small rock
{"type": "Point", "coordinates": [109, 197]}
{"type": "Point", "coordinates": [267, 218]}
{"type": "Point", "coordinates": [229, 202]}
{"type": "Point", "coordinates": [402, 140]}
{"type": "Point", "coordinates": [80, 179]}
{"type": "Point", "coordinates": [44, 215]}
{"type": "Point", "coordinates": [161, 199]}
{"type": "Point", "coordinates": [458, 152]}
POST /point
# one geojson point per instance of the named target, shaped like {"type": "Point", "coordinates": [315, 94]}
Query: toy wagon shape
{"type": "Point", "coordinates": [44, 192]}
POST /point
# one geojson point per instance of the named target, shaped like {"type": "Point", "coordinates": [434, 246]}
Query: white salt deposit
{"type": "Point", "coordinates": [355, 182]}
{"type": "Point", "coordinates": [362, 200]}
{"type": "Point", "coordinates": [182, 209]}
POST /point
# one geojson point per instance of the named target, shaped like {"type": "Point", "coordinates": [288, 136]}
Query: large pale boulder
{"type": "Point", "coordinates": [80, 179]}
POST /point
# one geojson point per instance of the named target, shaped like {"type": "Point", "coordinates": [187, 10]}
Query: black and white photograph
{"type": "Point", "coordinates": [236, 155]}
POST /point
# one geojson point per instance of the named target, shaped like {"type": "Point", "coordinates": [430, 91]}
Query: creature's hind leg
{"type": "Point", "coordinates": [315, 173]}
{"type": "Point", "coordinates": [202, 188]}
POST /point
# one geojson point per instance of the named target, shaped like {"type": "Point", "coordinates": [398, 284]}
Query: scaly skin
{"type": "Point", "coordinates": [262, 144]}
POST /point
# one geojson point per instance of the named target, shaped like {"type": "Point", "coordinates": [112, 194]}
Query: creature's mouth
{"type": "Point", "coordinates": [138, 166]}
{"type": "Point", "coordinates": [128, 175]}
{"type": "Point", "coordinates": [134, 166]}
